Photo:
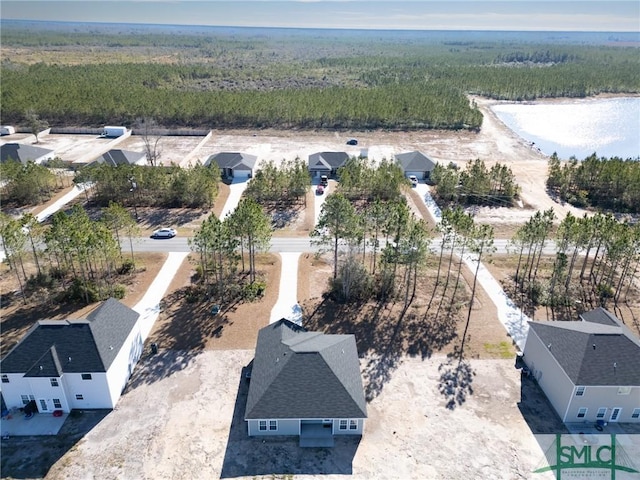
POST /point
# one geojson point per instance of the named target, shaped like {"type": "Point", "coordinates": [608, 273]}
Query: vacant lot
{"type": "Point", "coordinates": [190, 425]}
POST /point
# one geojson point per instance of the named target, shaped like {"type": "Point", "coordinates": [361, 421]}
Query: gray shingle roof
{"type": "Point", "coordinates": [593, 352]}
{"type": "Point", "coordinates": [233, 160]}
{"type": "Point", "coordinates": [415, 162]}
{"type": "Point", "coordinates": [300, 374]}
{"type": "Point", "coordinates": [21, 153]}
{"type": "Point", "coordinates": [120, 157]}
{"type": "Point", "coordinates": [73, 346]}
{"type": "Point", "coordinates": [327, 160]}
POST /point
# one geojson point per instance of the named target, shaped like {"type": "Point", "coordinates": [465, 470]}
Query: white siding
{"type": "Point", "coordinates": [597, 397]}
{"type": "Point", "coordinates": [41, 389]}
{"type": "Point", "coordinates": [124, 363]}
{"type": "Point", "coordinates": [18, 385]}
{"type": "Point", "coordinates": [556, 385]}
{"type": "Point", "coordinates": [95, 392]}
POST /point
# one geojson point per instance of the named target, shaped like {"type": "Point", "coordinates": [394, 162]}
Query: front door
{"type": "Point", "coordinates": [615, 414]}
{"type": "Point", "coordinates": [43, 405]}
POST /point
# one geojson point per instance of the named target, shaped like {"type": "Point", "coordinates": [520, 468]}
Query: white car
{"type": "Point", "coordinates": [164, 233]}
{"type": "Point", "coordinates": [414, 180]}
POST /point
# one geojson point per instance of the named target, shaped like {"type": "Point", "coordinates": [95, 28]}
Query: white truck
{"type": "Point", "coordinates": [113, 132]}
{"type": "Point", "coordinates": [7, 130]}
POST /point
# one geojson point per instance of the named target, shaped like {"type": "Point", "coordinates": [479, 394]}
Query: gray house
{"type": "Point", "coordinates": [326, 163]}
{"type": "Point", "coordinates": [121, 157]}
{"type": "Point", "coordinates": [589, 370]}
{"type": "Point", "coordinates": [234, 164]}
{"type": "Point", "coordinates": [306, 384]}
{"type": "Point", "coordinates": [25, 153]}
{"type": "Point", "coordinates": [415, 163]}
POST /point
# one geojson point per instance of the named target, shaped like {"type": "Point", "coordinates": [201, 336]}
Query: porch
{"type": "Point", "coordinates": [316, 434]}
{"type": "Point", "coordinates": [14, 424]}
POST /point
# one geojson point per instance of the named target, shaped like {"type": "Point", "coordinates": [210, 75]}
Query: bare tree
{"type": "Point", "coordinates": [35, 123]}
{"type": "Point", "coordinates": [145, 127]}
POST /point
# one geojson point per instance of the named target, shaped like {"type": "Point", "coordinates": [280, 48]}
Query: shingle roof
{"type": "Point", "coordinates": [593, 352]}
{"type": "Point", "coordinates": [73, 346]}
{"type": "Point", "coordinates": [22, 153]}
{"type": "Point", "coordinates": [233, 160]}
{"type": "Point", "coordinates": [300, 374]}
{"type": "Point", "coordinates": [415, 161]}
{"type": "Point", "coordinates": [120, 157]}
{"type": "Point", "coordinates": [327, 160]}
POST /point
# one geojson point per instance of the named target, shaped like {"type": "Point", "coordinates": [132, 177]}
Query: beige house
{"type": "Point", "coordinates": [589, 369]}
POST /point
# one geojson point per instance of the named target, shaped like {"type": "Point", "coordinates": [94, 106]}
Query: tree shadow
{"type": "Point", "coordinates": [247, 456]}
{"type": "Point", "coordinates": [456, 381]}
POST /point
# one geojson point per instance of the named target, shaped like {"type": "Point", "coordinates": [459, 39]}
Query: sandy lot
{"type": "Point", "coordinates": [187, 423]}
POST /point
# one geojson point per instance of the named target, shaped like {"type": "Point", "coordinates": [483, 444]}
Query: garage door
{"type": "Point", "coordinates": [241, 173]}
{"type": "Point", "coordinates": [420, 175]}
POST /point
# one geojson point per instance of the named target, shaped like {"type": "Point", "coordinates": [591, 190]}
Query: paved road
{"type": "Point", "coordinates": [283, 244]}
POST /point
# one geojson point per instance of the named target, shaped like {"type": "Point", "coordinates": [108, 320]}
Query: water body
{"type": "Point", "coordinates": [609, 127]}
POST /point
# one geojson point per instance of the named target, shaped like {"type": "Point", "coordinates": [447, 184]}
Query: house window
{"type": "Point", "coordinates": [353, 424]}
{"type": "Point", "coordinates": [26, 398]}
{"type": "Point", "coordinates": [5, 379]}
{"type": "Point", "coordinates": [86, 376]}
{"type": "Point", "coordinates": [636, 413]}
{"type": "Point", "coordinates": [262, 425]}
{"type": "Point", "coordinates": [579, 391]}
{"type": "Point", "coordinates": [57, 403]}
{"type": "Point", "coordinates": [601, 412]}
{"type": "Point", "coordinates": [54, 382]}
{"type": "Point", "coordinates": [273, 425]}
{"type": "Point", "coordinates": [582, 412]}
{"type": "Point", "coordinates": [343, 425]}
{"type": "Point", "coordinates": [79, 396]}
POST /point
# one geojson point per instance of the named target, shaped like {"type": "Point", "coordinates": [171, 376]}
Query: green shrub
{"type": "Point", "coordinates": [128, 266]}
{"type": "Point", "coordinates": [119, 291]}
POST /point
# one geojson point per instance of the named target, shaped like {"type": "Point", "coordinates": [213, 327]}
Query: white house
{"type": "Point", "coordinates": [117, 157]}
{"type": "Point", "coordinates": [589, 370]}
{"type": "Point", "coordinates": [306, 384]}
{"type": "Point", "coordinates": [74, 364]}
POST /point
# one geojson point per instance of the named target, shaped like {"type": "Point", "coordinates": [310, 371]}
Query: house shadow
{"type": "Point", "coordinates": [536, 409]}
{"type": "Point", "coordinates": [33, 456]}
{"type": "Point", "coordinates": [247, 456]}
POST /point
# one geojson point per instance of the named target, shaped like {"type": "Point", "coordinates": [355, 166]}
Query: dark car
{"type": "Point", "coordinates": [319, 190]}
{"type": "Point", "coordinates": [352, 141]}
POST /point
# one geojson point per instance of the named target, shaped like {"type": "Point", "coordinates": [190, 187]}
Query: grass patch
{"type": "Point", "coordinates": [500, 350]}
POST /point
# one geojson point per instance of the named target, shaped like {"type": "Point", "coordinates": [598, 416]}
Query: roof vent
{"type": "Point", "coordinates": [615, 365]}
{"type": "Point", "coordinates": [594, 346]}
{"type": "Point", "coordinates": [41, 367]}
{"type": "Point", "coordinates": [69, 359]}
{"type": "Point", "coordinates": [277, 359]}
{"type": "Point", "coordinates": [549, 346]}
{"type": "Point", "coordinates": [110, 347]}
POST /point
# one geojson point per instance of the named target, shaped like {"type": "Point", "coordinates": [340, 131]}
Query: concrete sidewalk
{"type": "Point", "coordinates": [149, 306]}
{"type": "Point", "coordinates": [236, 189]}
{"type": "Point", "coordinates": [287, 304]}
{"type": "Point", "coordinates": [511, 317]}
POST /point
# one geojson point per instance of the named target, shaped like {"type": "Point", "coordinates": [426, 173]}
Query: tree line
{"type": "Point", "coordinates": [596, 262]}
{"type": "Point", "coordinates": [596, 182]}
{"type": "Point", "coordinates": [145, 186]}
{"type": "Point", "coordinates": [285, 183]}
{"type": "Point", "coordinates": [82, 259]}
{"type": "Point", "coordinates": [476, 184]}
{"type": "Point", "coordinates": [226, 250]}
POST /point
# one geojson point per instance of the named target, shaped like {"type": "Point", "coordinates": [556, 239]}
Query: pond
{"type": "Point", "coordinates": [609, 127]}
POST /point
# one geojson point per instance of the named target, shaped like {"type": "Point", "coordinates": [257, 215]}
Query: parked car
{"type": "Point", "coordinates": [164, 233]}
{"type": "Point", "coordinates": [352, 141]}
{"type": "Point", "coordinates": [324, 180]}
{"type": "Point", "coordinates": [414, 180]}
{"type": "Point", "coordinates": [319, 190]}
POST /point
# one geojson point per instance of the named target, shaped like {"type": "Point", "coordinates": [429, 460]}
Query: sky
{"type": "Point", "coordinates": [524, 15]}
